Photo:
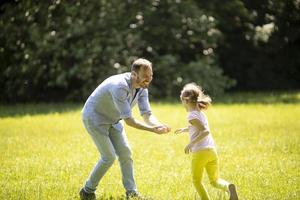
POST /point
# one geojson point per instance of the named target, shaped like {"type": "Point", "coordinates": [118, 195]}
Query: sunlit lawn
{"type": "Point", "coordinates": [47, 154]}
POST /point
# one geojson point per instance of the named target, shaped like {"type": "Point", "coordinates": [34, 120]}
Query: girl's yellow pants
{"type": "Point", "coordinates": [206, 159]}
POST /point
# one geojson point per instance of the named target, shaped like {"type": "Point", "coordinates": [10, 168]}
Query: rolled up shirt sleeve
{"type": "Point", "coordinates": [119, 96]}
{"type": "Point", "coordinates": [143, 103]}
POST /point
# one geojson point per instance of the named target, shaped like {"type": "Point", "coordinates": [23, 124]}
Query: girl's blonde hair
{"type": "Point", "coordinates": [193, 93]}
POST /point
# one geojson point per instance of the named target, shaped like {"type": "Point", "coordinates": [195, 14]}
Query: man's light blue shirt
{"type": "Point", "coordinates": [113, 100]}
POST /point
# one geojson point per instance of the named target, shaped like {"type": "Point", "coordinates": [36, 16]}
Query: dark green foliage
{"type": "Point", "coordinates": [61, 50]}
{"type": "Point", "coordinates": [259, 60]}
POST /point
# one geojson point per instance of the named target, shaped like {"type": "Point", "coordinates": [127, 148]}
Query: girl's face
{"type": "Point", "coordinates": [184, 102]}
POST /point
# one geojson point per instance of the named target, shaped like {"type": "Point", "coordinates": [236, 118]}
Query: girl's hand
{"type": "Point", "coordinates": [180, 130]}
{"type": "Point", "coordinates": [187, 149]}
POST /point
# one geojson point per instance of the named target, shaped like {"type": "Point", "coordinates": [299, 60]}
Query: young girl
{"type": "Point", "coordinates": [201, 143]}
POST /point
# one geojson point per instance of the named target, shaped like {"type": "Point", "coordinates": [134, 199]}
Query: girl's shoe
{"type": "Point", "coordinates": [232, 192]}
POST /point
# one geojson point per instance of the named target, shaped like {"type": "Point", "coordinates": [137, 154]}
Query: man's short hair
{"type": "Point", "coordinates": [141, 62]}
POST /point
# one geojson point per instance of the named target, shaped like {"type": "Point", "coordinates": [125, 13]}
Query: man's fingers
{"type": "Point", "coordinates": [160, 130]}
{"type": "Point", "coordinates": [164, 128]}
{"type": "Point", "coordinates": [168, 129]}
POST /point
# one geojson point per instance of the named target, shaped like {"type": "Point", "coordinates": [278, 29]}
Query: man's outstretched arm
{"type": "Point", "coordinates": [153, 121]}
{"type": "Point", "coordinates": [159, 129]}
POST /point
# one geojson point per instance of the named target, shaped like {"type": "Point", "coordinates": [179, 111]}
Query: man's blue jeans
{"type": "Point", "coordinates": [111, 141]}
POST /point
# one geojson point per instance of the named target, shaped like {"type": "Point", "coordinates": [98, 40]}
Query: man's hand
{"type": "Point", "coordinates": [168, 129]}
{"type": "Point", "coordinates": [161, 129]}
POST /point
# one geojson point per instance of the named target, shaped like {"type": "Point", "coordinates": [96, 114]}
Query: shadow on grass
{"type": "Point", "coordinates": [122, 197]}
{"type": "Point", "coordinates": [20, 110]}
{"type": "Point", "coordinates": [111, 198]}
{"type": "Point", "coordinates": [228, 98]}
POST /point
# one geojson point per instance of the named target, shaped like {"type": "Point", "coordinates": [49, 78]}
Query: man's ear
{"type": "Point", "coordinates": [134, 74]}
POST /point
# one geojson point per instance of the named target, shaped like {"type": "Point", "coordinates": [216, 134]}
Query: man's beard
{"type": "Point", "coordinates": [141, 84]}
{"type": "Point", "coordinates": [145, 86]}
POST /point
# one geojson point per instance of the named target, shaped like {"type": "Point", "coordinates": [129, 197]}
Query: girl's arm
{"type": "Point", "coordinates": [199, 137]}
{"type": "Point", "coordinates": [200, 127]}
{"type": "Point", "coordinates": [182, 130]}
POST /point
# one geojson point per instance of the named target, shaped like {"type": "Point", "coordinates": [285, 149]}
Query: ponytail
{"type": "Point", "coordinates": [203, 101]}
{"type": "Point", "coordinates": [193, 93]}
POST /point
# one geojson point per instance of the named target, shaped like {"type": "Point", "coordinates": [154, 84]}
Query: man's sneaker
{"type": "Point", "coordinates": [135, 196]}
{"type": "Point", "coordinates": [232, 192]}
{"type": "Point", "coordinates": [86, 196]}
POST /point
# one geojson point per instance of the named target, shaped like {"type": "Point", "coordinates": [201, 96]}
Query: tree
{"type": "Point", "coordinates": [260, 42]}
{"type": "Point", "coordinates": [53, 50]}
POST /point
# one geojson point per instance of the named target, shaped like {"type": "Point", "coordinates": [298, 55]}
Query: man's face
{"type": "Point", "coordinates": [144, 77]}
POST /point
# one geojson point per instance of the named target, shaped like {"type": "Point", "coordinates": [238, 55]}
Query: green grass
{"type": "Point", "coordinates": [47, 154]}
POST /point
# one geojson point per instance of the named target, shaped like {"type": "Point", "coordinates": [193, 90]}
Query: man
{"type": "Point", "coordinates": [111, 102]}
